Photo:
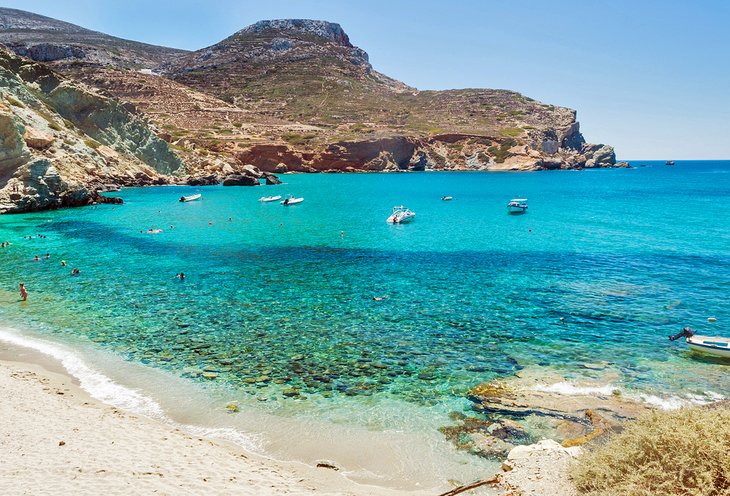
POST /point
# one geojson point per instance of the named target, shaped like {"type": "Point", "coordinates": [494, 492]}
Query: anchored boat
{"type": "Point", "coordinates": [401, 215]}
{"type": "Point", "coordinates": [290, 200]}
{"type": "Point", "coordinates": [712, 345]}
{"type": "Point", "coordinates": [267, 199]}
{"type": "Point", "coordinates": [517, 206]}
{"type": "Point", "coordinates": [190, 198]}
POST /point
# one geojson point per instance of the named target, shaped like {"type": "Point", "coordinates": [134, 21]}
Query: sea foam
{"type": "Point", "coordinates": [662, 402]}
{"type": "Point", "coordinates": [104, 389]}
{"type": "Point", "coordinates": [93, 382]}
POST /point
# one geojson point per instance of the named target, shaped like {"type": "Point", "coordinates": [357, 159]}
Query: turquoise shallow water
{"type": "Point", "coordinates": [278, 303]}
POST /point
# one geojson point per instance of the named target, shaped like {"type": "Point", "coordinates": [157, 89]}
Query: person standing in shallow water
{"type": "Point", "coordinates": [23, 292]}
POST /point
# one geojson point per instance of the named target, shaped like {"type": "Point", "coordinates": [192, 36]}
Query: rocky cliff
{"type": "Point", "coordinates": [62, 143]}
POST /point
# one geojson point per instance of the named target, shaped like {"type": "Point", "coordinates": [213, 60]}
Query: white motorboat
{"type": "Point", "coordinates": [267, 199]}
{"type": "Point", "coordinates": [290, 200]}
{"type": "Point", "coordinates": [711, 345]}
{"type": "Point", "coordinates": [447, 198]}
{"type": "Point", "coordinates": [400, 215]}
{"type": "Point", "coordinates": [190, 198]}
{"type": "Point", "coordinates": [517, 206]}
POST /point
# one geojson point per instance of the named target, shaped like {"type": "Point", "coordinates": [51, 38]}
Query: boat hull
{"type": "Point", "coordinates": [190, 198]}
{"type": "Point", "coordinates": [711, 346]}
{"type": "Point", "coordinates": [400, 219]}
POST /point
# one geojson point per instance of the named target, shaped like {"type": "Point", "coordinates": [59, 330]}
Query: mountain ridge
{"type": "Point", "coordinates": [45, 39]}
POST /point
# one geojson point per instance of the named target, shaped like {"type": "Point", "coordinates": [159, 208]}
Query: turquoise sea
{"type": "Point", "coordinates": [277, 309]}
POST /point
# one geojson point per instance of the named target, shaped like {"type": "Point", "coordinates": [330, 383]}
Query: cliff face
{"type": "Point", "coordinates": [62, 142]}
{"type": "Point", "coordinates": [283, 95]}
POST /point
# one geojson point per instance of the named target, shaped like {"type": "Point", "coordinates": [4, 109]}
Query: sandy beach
{"type": "Point", "coordinates": [56, 439]}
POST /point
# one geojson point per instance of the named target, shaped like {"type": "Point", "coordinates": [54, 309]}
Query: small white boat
{"type": "Point", "coordinates": [266, 199]}
{"type": "Point", "coordinates": [400, 215]}
{"type": "Point", "coordinates": [290, 200]}
{"type": "Point", "coordinates": [190, 198]}
{"type": "Point", "coordinates": [711, 345]}
{"type": "Point", "coordinates": [447, 198]}
{"type": "Point", "coordinates": [517, 206]}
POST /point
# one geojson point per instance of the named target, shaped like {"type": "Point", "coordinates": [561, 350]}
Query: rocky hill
{"type": "Point", "coordinates": [297, 95]}
{"type": "Point", "coordinates": [308, 72]}
{"type": "Point", "coordinates": [48, 40]}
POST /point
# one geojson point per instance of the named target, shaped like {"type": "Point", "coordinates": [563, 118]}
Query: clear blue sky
{"type": "Point", "coordinates": [650, 77]}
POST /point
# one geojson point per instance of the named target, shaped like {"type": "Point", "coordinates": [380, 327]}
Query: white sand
{"type": "Point", "coordinates": [56, 439]}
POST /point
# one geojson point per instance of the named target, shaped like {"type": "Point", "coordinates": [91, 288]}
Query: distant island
{"type": "Point", "coordinates": [84, 112]}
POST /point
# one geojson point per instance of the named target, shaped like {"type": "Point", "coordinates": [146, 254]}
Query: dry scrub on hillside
{"type": "Point", "coordinates": [685, 452]}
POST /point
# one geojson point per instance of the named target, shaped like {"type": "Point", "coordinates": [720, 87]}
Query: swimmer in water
{"type": "Point", "coordinates": [35, 259]}
{"type": "Point", "coordinates": [75, 272]}
{"type": "Point", "coordinates": [63, 263]}
{"type": "Point", "coordinates": [180, 276]}
{"type": "Point", "coordinates": [23, 292]}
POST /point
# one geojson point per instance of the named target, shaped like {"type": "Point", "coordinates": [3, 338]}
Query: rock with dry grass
{"type": "Point", "coordinates": [684, 452]}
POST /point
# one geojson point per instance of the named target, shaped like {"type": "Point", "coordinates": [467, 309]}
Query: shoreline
{"type": "Point", "coordinates": [355, 473]}
{"type": "Point", "coordinates": [105, 196]}
{"type": "Point", "coordinates": [86, 444]}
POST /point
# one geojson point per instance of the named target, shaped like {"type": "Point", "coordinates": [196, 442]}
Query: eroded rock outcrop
{"type": "Point", "coordinates": [440, 152]}
{"type": "Point", "coordinates": [524, 408]}
{"type": "Point", "coordinates": [62, 143]}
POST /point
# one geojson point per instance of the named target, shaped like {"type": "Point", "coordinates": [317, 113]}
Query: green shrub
{"type": "Point", "coordinates": [684, 452]}
{"type": "Point", "coordinates": [298, 139]}
{"type": "Point", "coordinates": [92, 143]}
{"type": "Point", "coordinates": [511, 131]}
{"type": "Point", "coordinates": [49, 119]}
{"type": "Point", "coordinates": [14, 102]}
{"type": "Point", "coordinates": [501, 153]}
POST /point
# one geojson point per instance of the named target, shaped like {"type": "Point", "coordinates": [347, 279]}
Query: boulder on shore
{"type": "Point", "coordinates": [241, 180]}
{"type": "Point", "coordinates": [207, 180]}
{"type": "Point", "coordinates": [270, 178]}
{"type": "Point", "coordinates": [539, 469]}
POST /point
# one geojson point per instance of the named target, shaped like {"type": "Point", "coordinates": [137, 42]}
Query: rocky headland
{"type": "Point", "coordinates": [83, 111]}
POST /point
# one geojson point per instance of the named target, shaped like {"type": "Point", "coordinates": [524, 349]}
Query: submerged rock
{"type": "Point", "coordinates": [519, 409]}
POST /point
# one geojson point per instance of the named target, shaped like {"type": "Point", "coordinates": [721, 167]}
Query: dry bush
{"type": "Point", "coordinates": [684, 452]}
